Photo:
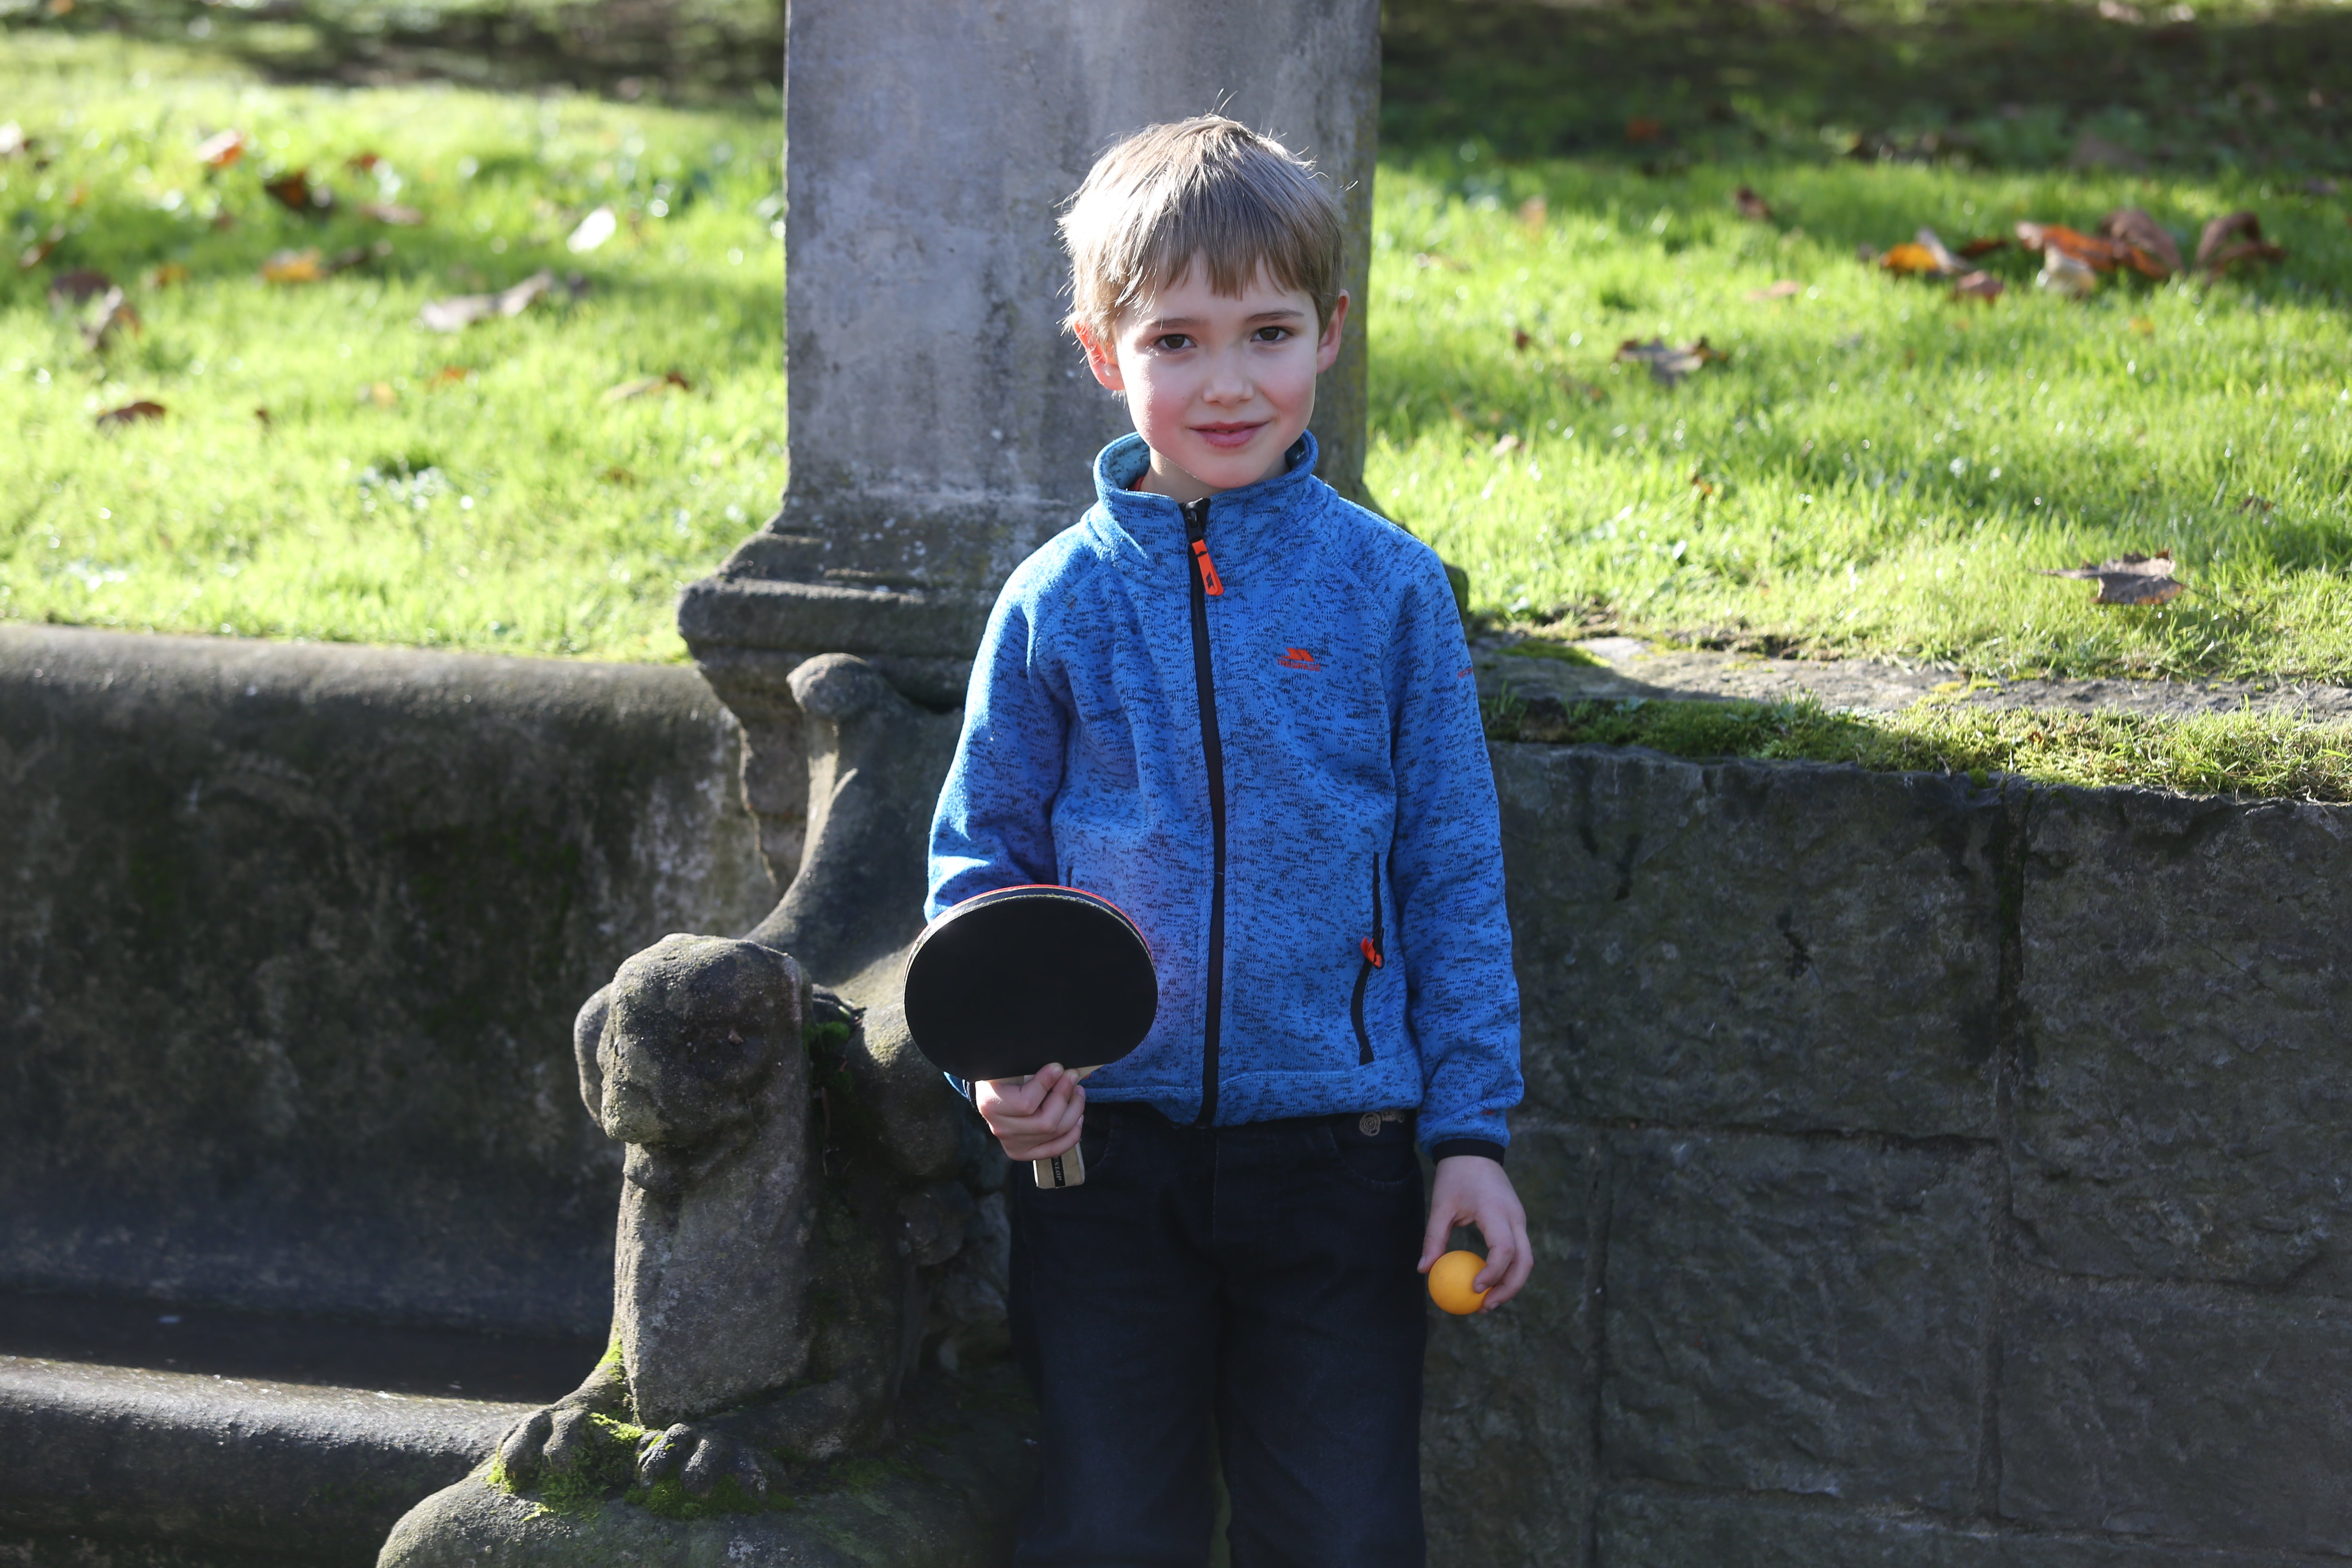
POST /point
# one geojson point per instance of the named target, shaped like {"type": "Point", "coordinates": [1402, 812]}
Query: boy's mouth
{"type": "Point", "coordinates": [1227, 438]}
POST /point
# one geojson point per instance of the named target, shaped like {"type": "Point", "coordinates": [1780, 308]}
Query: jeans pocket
{"type": "Point", "coordinates": [1372, 1152]}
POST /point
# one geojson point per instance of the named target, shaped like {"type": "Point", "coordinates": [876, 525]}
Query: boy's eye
{"type": "Point", "coordinates": [1172, 343]}
{"type": "Point", "coordinates": [1270, 334]}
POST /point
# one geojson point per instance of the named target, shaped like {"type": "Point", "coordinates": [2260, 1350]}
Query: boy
{"type": "Point", "coordinates": [1242, 709]}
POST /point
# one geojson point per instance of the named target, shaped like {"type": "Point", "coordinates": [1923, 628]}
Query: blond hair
{"type": "Point", "coordinates": [1210, 187]}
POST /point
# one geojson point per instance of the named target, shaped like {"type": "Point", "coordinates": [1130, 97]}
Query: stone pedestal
{"type": "Point", "coordinates": [942, 423]}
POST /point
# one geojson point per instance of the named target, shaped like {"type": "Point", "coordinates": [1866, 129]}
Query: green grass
{"type": "Point", "coordinates": [1876, 469]}
{"type": "Point", "coordinates": [461, 490]}
{"type": "Point", "coordinates": [1878, 472]}
{"type": "Point", "coordinates": [2245, 754]}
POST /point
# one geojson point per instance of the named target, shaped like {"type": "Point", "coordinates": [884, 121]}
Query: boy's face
{"type": "Point", "coordinates": [1219, 387]}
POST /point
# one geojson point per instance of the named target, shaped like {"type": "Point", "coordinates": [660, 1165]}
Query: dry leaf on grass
{"type": "Point", "coordinates": [1781, 288]}
{"type": "Point", "coordinates": [390, 213]}
{"type": "Point", "coordinates": [130, 413]}
{"type": "Point", "coordinates": [72, 291]}
{"type": "Point", "coordinates": [114, 314]}
{"type": "Point", "coordinates": [1912, 259]}
{"type": "Point", "coordinates": [167, 274]}
{"type": "Point", "coordinates": [449, 374]}
{"type": "Point", "coordinates": [1753, 207]}
{"type": "Point", "coordinates": [293, 266]}
{"type": "Point", "coordinates": [1983, 245]}
{"type": "Point", "coordinates": [2067, 275]}
{"type": "Point", "coordinates": [2129, 579]}
{"type": "Point", "coordinates": [1978, 286]}
{"type": "Point", "coordinates": [222, 148]}
{"type": "Point", "coordinates": [1642, 128]}
{"type": "Point", "coordinates": [364, 160]}
{"type": "Point", "coordinates": [457, 313]}
{"type": "Point", "coordinates": [1668, 365]}
{"type": "Point", "coordinates": [645, 384]}
{"type": "Point", "coordinates": [594, 230]}
{"type": "Point", "coordinates": [38, 251]}
{"type": "Point", "coordinates": [2152, 248]}
{"type": "Point", "coordinates": [2232, 239]}
{"type": "Point", "coordinates": [295, 193]}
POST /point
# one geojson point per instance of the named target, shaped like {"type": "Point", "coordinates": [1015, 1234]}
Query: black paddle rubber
{"type": "Point", "coordinates": [1009, 981]}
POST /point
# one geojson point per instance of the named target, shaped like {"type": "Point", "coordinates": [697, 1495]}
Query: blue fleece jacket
{"type": "Point", "coordinates": [1325, 908]}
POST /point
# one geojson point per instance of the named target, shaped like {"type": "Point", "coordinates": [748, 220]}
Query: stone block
{"type": "Point", "coordinates": [1646, 1529]}
{"type": "Point", "coordinates": [1506, 1424]}
{"type": "Point", "coordinates": [2145, 1410]}
{"type": "Point", "coordinates": [289, 954]}
{"type": "Point", "coordinates": [1753, 943]}
{"type": "Point", "coordinates": [2185, 1094]}
{"type": "Point", "coordinates": [1796, 1315]}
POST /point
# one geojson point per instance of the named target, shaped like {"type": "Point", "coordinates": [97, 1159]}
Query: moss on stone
{"type": "Point", "coordinates": [2246, 755]}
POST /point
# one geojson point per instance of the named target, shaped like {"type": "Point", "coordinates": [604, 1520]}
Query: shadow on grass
{"type": "Point", "coordinates": [2014, 83]}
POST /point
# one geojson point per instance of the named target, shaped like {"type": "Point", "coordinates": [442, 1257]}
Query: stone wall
{"type": "Point", "coordinates": [1922, 1174]}
{"type": "Point", "coordinates": [290, 943]}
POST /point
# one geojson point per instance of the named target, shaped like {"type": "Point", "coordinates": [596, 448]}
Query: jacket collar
{"type": "Point", "coordinates": [1153, 526]}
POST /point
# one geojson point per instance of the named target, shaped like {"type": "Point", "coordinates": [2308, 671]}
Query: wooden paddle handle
{"type": "Point", "coordinates": [1067, 1169]}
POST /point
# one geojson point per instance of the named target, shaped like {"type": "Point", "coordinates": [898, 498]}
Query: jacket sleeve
{"type": "Point", "coordinates": [994, 825]}
{"type": "Point", "coordinates": [1462, 1000]}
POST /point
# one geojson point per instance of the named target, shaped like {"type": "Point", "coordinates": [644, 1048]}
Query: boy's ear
{"type": "Point", "coordinates": [1327, 348]}
{"type": "Point", "coordinates": [1099, 358]}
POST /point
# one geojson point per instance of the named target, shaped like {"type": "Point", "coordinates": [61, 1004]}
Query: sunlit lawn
{"type": "Point", "coordinates": [468, 489]}
{"type": "Point", "coordinates": [1878, 467]}
{"type": "Point", "coordinates": [1875, 470]}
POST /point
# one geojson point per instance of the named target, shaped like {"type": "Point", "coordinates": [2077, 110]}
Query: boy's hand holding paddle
{"type": "Point", "coordinates": [1034, 1117]}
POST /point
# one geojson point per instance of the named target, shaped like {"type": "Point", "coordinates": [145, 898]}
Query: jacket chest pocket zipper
{"type": "Point", "coordinates": [1374, 957]}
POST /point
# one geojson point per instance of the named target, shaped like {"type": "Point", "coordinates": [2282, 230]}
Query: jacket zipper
{"type": "Point", "coordinates": [1207, 585]}
{"type": "Point", "coordinates": [1374, 957]}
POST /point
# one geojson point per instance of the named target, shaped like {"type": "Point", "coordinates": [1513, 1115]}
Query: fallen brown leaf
{"type": "Point", "coordinates": [2148, 244]}
{"type": "Point", "coordinates": [1668, 365]}
{"type": "Point", "coordinates": [114, 314]}
{"type": "Point", "coordinates": [293, 266]}
{"type": "Point", "coordinates": [129, 414]}
{"type": "Point", "coordinates": [1978, 286]}
{"type": "Point", "coordinates": [645, 384]}
{"type": "Point", "coordinates": [262, 416]}
{"type": "Point", "coordinates": [38, 251]}
{"type": "Point", "coordinates": [221, 148]}
{"type": "Point", "coordinates": [2129, 579]}
{"type": "Point", "coordinates": [2087, 250]}
{"type": "Point", "coordinates": [1947, 264]}
{"type": "Point", "coordinates": [72, 291]}
{"type": "Point", "coordinates": [167, 274]}
{"type": "Point", "coordinates": [450, 373]}
{"type": "Point", "coordinates": [364, 160]}
{"type": "Point", "coordinates": [1643, 128]}
{"type": "Point", "coordinates": [295, 193]}
{"type": "Point", "coordinates": [390, 213]}
{"type": "Point", "coordinates": [2063, 274]}
{"type": "Point", "coordinates": [463, 311]}
{"type": "Point", "coordinates": [2232, 239]}
{"type": "Point", "coordinates": [1911, 258]}
{"type": "Point", "coordinates": [2143, 326]}
{"type": "Point", "coordinates": [1779, 288]}
{"type": "Point", "coordinates": [1983, 245]}
{"type": "Point", "coordinates": [1751, 206]}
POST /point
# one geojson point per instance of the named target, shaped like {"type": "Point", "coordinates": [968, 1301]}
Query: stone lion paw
{"type": "Point", "coordinates": [702, 1457]}
{"type": "Point", "coordinates": [548, 1442]}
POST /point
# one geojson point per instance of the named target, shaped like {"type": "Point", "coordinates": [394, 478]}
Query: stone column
{"type": "Point", "coordinates": [942, 423]}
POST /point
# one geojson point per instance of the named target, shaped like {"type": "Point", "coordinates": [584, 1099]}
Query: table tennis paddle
{"type": "Point", "coordinates": [1008, 981]}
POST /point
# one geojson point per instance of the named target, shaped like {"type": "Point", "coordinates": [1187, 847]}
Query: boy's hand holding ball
{"type": "Point", "coordinates": [1034, 1117]}
{"type": "Point", "coordinates": [1474, 1190]}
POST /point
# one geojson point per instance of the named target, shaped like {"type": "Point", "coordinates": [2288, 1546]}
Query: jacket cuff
{"type": "Point", "coordinates": [1446, 1149]}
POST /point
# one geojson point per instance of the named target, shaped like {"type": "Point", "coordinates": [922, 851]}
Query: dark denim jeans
{"type": "Point", "coordinates": [1261, 1277]}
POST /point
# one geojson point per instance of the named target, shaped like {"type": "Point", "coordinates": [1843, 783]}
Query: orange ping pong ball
{"type": "Point", "coordinates": [1450, 1282]}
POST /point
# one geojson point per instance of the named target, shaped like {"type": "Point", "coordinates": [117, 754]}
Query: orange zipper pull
{"type": "Point", "coordinates": [1210, 583]}
{"type": "Point", "coordinates": [1372, 953]}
